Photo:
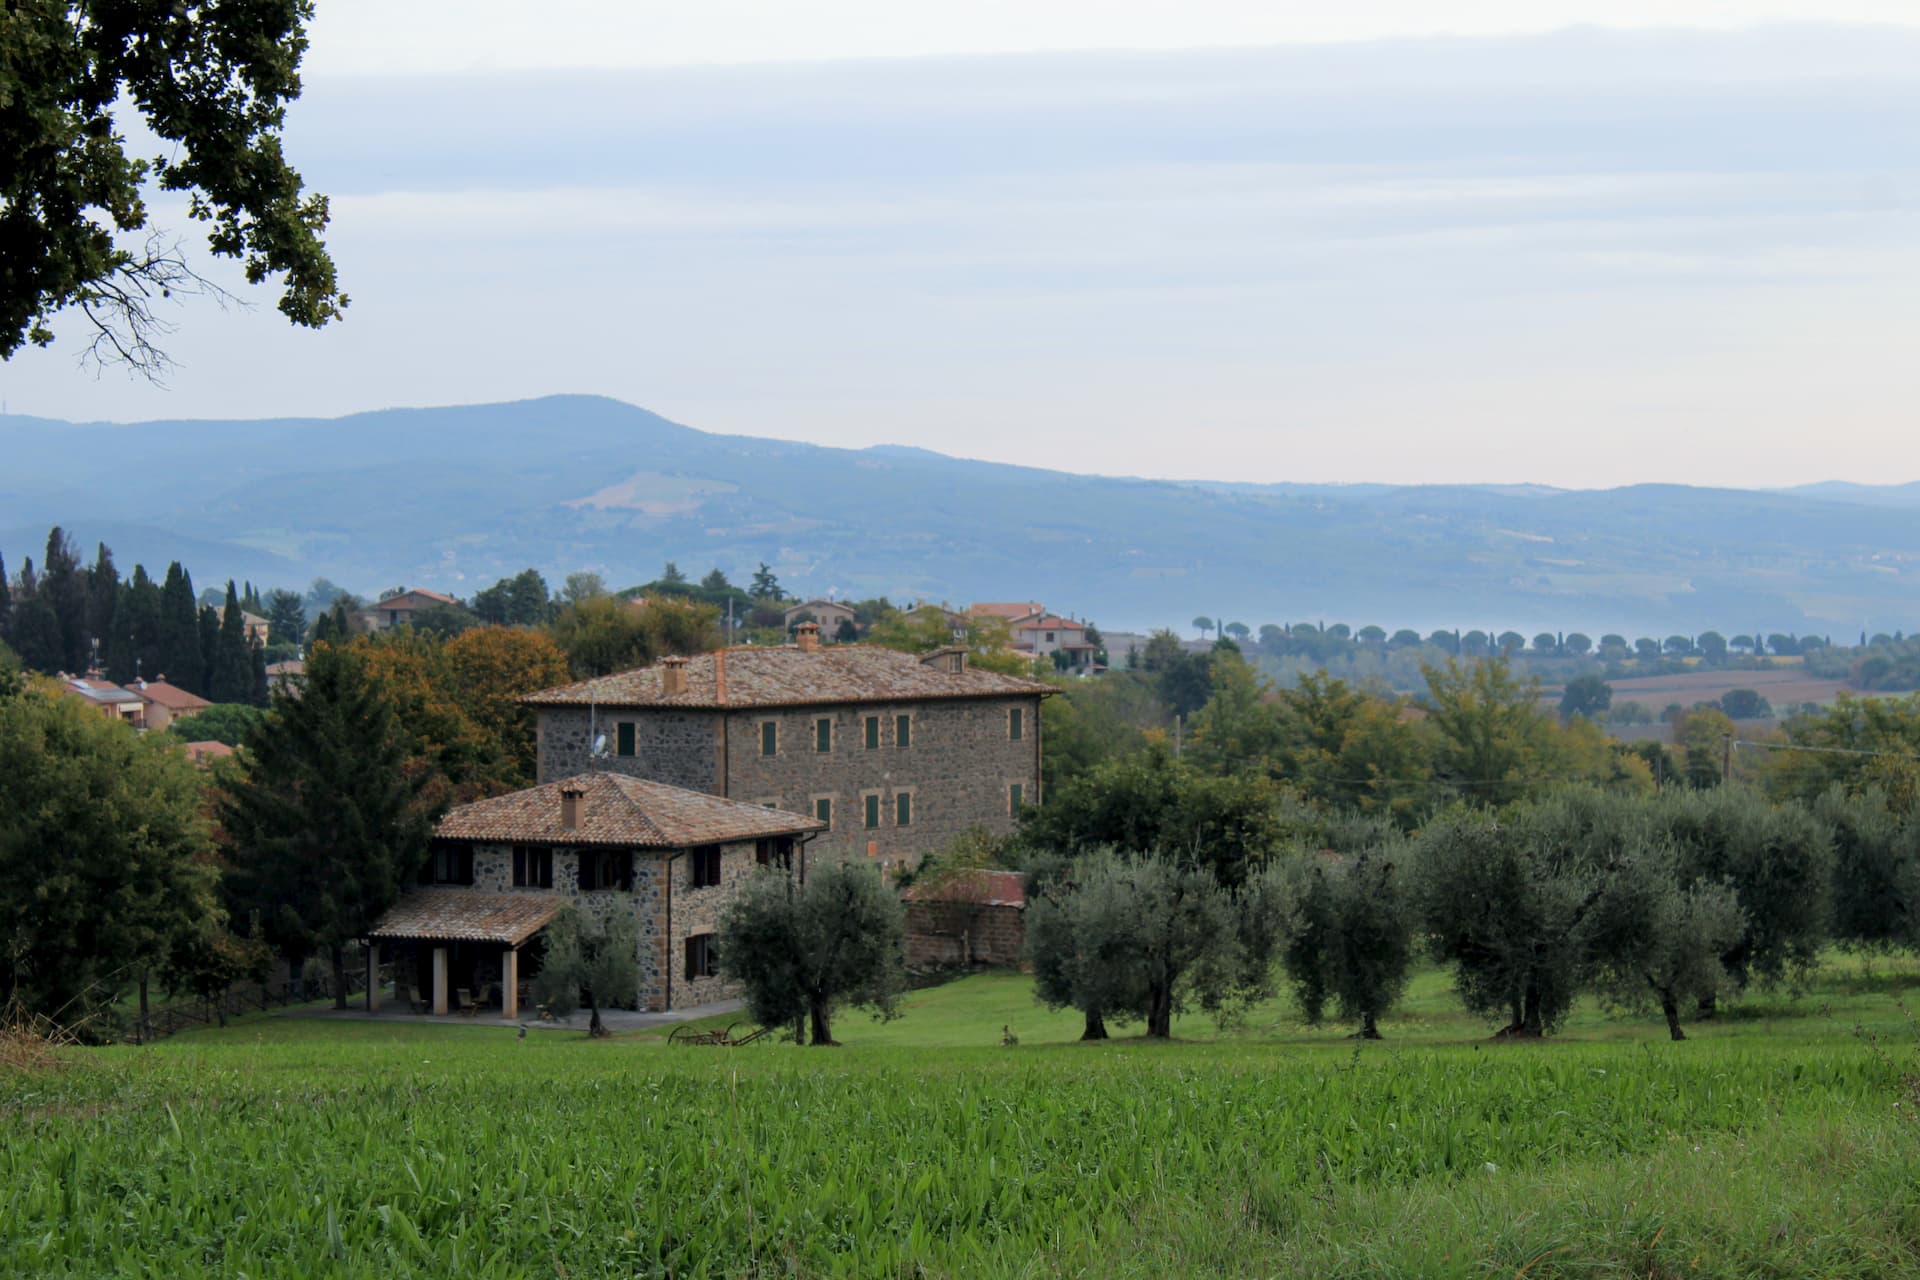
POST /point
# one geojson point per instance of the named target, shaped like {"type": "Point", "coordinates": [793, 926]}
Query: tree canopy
{"type": "Point", "coordinates": [212, 81]}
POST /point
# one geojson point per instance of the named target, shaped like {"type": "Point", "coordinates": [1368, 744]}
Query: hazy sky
{"type": "Point", "coordinates": [1239, 241]}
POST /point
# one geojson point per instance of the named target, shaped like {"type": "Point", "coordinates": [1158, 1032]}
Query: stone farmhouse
{"type": "Point", "coordinates": [892, 753]}
{"type": "Point", "coordinates": [608, 843]}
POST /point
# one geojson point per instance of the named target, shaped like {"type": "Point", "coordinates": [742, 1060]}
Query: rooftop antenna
{"type": "Point", "coordinates": [598, 751]}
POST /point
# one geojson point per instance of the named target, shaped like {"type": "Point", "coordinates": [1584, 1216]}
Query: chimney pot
{"type": "Point", "coordinates": [808, 634]}
{"type": "Point", "coordinates": [673, 676]}
{"type": "Point", "coordinates": [573, 803]}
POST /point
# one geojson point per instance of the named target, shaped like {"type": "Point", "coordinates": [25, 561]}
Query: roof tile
{"type": "Point", "coordinates": [786, 675]}
{"type": "Point", "coordinates": [618, 810]}
{"type": "Point", "coordinates": [464, 915]}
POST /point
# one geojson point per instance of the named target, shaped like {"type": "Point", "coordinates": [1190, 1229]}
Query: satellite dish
{"type": "Point", "coordinates": [600, 747]}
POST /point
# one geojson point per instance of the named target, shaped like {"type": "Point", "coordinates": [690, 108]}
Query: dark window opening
{"type": "Point", "coordinates": [872, 806]}
{"type": "Point", "coordinates": [605, 869]}
{"type": "Point", "coordinates": [532, 868]}
{"type": "Point", "coordinates": [774, 851]}
{"type": "Point", "coordinates": [1016, 725]}
{"type": "Point", "coordinates": [873, 733]}
{"type": "Point", "coordinates": [449, 864]}
{"type": "Point", "coordinates": [823, 811]}
{"type": "Point", "coordinates": [623, 738]}
{"type": "Point", "coordinates": [769, 738]}
{"type": "Point", "coordinates": [1016, 794]}
{"type": "Point", "coordinates": [903, 809]}
{"type": "Point", "coordinates": [703, 956]}
{"type": "Point", "coordinates": [706, 866]}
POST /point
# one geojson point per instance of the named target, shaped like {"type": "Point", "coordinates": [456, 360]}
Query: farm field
{"type": "Point", "coordinates": [1777, 1141]}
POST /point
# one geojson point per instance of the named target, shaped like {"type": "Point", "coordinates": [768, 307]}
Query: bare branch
{"type": "Point", "coordinates": [123, 308]}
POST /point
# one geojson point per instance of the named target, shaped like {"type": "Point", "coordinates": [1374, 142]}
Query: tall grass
{"type": "Point", "coordinates": [306, 1148]}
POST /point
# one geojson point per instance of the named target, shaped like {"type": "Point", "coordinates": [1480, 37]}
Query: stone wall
{"type": "Point", "coordinates": [949, 934]}
{"type": "Point", "coordinates": [493, 873]}
{"type": "Point", "coordinates": [676, 747]}
{"type": "Point", "coordinates": [957, 766]}
{"type": "Point", "coordinates": [698, 911]}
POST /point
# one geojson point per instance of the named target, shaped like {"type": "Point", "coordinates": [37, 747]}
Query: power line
{"type": "Point", "coordinates": [1825, 751]}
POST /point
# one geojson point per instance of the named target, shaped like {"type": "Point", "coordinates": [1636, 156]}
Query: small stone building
{"type": "Point", "coordinates": [893, 753]}
{"type": "Point", "coordinates": [606, 843]}
{"type": "Point", "coordinates": [976, 918]}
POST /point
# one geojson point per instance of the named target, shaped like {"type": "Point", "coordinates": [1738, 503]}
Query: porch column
{"type": "Point", "coordinates": [440, 980]}
{"type": "Point", "coordinates": [510, 984]}
{"type": "Point", "coordinates": [373, 977]}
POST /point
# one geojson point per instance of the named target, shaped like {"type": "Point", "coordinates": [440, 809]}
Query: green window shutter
{"type": "Point", "coordinates": [1015, 793]}
{"type": "Point", "coordinates": [903, 809]}
{"type": "Point", "coordinates": [873, 812]}
{"type": "Point", "coordinates": [823, 810]}
{"type": "Point", "coordinates": [623, 736]}
{"type": "Point", "coordinates": [769, 738]}
{"type": "Point", "coordinates": [903, 731]}
{"type": "Point", "coordinates": [823, 735]}
{"type": "Point", "coordinates": [873, 733]}
{"type": "Point", "coordinates": [1015, 729]}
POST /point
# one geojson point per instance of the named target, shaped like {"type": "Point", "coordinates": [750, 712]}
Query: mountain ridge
{"type": "Point", "coordinates": [455, 496]}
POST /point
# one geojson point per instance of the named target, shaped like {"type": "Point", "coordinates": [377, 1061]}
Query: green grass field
{"type": "Point", "coordinates": [1776, 1142]}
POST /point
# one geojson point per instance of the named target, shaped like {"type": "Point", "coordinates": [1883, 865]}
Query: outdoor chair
{"type": "Point", "coordinates": [415, 1002]}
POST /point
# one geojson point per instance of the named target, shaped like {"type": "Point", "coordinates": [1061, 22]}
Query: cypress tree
{"type": "Point", "coordinates": [63, 586]}
{"type": "Point", "coordinates": [179, 631]}
{"type": "Point", "coordinates": [142, 607]}
{"type": "Point", "coordinates": [103, 597]}
{"type": "Point", "coordinates": [230, 675]}
{"type": "Point", "coordinates": [121, 661]}
{"type": "Point", "coordinates": [208, 632]}
{"type": "Point", "coordinates": [261, 694]}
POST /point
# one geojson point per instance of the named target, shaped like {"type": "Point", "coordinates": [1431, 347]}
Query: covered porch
{"type": "Point", "coordinates": [456, 947]}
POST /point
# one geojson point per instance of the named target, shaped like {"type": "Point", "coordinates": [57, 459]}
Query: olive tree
{"type": "Point", "coordinates": [1779, 860]}
{"type": "Point", "coordinates": [798, 948]}
{"type": "Point", "coordinates": [1353, 940]}
{"type": "Point", "coordinates": [1141, 938]}
{"type": "Point", "coordinates": [599, 961]}
{"type": "Point", "coordinates": [1876, 869]}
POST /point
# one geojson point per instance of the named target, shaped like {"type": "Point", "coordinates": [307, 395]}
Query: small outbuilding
{"type": "Point", "coordinates": [972, 918]}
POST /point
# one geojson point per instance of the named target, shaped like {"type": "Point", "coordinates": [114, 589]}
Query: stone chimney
{"type": "Point", "coordinates": [673, 677]}
{"type": "Point", "coordinates": [573, 805]}
{"type": "Point", "coordinates": [808, 634]}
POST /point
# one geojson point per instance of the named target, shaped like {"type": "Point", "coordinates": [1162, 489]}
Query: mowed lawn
{"type": "Point", "coordinates": [1779, 1141]}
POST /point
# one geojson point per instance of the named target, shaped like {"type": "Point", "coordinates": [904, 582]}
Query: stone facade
{"type": "Point", "coordinates": [666, 907]}
{"type": "Point", "coordinates": [959, 767]}
{"type": "Point", "coordinates": [955, 934]}
{"type": "Point", "coordinates": [676, 747]}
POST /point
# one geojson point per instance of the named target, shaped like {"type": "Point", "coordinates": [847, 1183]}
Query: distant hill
{"type": "Point", "coordinates": [455, 497]}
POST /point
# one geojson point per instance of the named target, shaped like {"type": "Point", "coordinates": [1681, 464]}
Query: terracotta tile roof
{"type": "Point", "coordinates": [202, 752]}
{"type": "Point", "coordinates": [1009, 609]}
{"type": "Point", "coordinates": [788, 676]}
{"type": "Point", "coordinates": [978, 888]}
{"type": "Point", "coordinates": [426, 596]}
{"type": "Point", "coordinates": [464, 915]}
{"type": "Point", "coordinates": [619, 810]}
{"type": "Point", "coordinates": [1053, 622]}
{"type": "Point", "coordinates": [172, 697]}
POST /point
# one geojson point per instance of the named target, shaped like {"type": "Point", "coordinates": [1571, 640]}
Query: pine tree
{"type": "Point", "coordinates": [178, 632]}
{"type": "Point", "coordinates": [327, 822]}
{"type": "Point", "coordinates": [230, 677]}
